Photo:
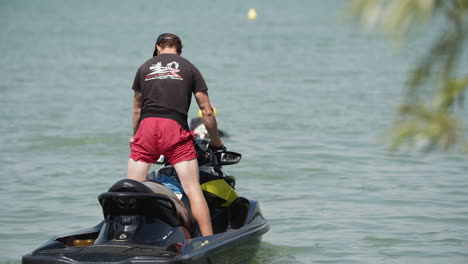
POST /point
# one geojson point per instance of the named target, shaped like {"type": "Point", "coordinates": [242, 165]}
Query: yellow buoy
{"type": "Point", "coordinates": [252, 14]}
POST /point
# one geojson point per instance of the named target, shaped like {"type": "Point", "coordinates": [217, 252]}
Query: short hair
{"type": "Point", "coordinates": [169, 40]}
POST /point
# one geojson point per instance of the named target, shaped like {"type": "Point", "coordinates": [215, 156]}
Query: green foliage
{"type": "Point", "coordinates": [437, 85]}
{"type": "Point", "coordinates": [434, 129]}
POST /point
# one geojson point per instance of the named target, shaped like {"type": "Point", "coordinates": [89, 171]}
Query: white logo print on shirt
{"type": "Point", "coordinates": [167, 72]}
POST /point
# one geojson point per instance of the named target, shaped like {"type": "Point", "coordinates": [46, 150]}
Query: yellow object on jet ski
{"type": "Point", "coordinates": [82, 242]}
{"type": "Point", "coordinates": [201, 115]}
{"type": "Point", "coordinates": [221, 189]}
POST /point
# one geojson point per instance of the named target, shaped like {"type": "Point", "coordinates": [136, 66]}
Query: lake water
{"type": "Point", "coordinates": [303, 95]}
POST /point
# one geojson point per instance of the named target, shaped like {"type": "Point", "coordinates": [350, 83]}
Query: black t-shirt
{"type": "Point", "coordinates": [167, 83]}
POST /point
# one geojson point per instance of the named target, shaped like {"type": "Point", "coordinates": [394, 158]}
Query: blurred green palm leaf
{"type": "Point", "coordinates": [436, 86]}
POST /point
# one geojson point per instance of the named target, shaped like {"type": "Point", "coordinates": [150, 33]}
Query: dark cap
{"type": "Point", "coordinates": [165, 36]}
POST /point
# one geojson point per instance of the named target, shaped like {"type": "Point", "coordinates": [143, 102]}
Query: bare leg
{"type": "Point", "coordinates": [189, 177]}
{"type": "Point", "coordinates": [138, 170]}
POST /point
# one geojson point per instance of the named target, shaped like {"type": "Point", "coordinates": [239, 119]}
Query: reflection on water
{"type": "Point", "coordinates": [271, 254]}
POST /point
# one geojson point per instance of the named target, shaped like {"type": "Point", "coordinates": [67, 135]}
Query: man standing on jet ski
{"type": "Point", "coordinates": [163, 89]}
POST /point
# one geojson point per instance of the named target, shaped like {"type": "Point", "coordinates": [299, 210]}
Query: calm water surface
{"type": "Point", "coordinates": [303, 95]}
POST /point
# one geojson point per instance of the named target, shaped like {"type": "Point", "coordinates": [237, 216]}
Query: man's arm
{"type": "Point", "coordinates": [137, 102]}
{"type": "Point", "coordinates": [209, 119]}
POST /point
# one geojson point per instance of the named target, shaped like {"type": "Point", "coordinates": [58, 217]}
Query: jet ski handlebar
{"type": "Point", "coordinates": [216, 156]}
{"type": "Point", "coordinates": [208, 155]}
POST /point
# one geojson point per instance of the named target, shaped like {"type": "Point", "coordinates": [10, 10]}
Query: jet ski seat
{"type": "Point", "coordinates": [150, 198]}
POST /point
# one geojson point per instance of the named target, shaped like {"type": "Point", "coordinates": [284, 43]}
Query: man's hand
{"type": "Point", "coordinates": [219, 147]}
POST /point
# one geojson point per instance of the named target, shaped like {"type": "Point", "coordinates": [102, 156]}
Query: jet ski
{"type": "Point", "coordinates": [146, 222]}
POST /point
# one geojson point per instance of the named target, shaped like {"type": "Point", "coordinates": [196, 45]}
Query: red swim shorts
{"type": "Point", "coordinates": [161, 136]}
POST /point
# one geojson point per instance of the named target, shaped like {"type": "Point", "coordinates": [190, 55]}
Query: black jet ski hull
{"type": "Point", "coordinates": [237, 245]}
{"type": "Point", "coordinates": [240, 251]}
{"type": "Point", "coordinates": [145, 222]}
